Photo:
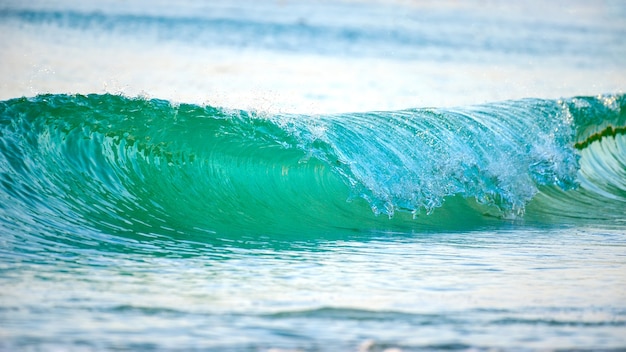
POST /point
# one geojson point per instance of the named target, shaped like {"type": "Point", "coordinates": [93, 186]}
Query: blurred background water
{"type": "Point", "coordinates": [315, 56]}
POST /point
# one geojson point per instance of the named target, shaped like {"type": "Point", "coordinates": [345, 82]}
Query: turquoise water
{"type": "Point", "coordinates": [143, 224]}
{"type": "Point", "coordinates": [133, 221]}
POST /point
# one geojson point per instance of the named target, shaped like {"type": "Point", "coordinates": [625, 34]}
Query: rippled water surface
{"type": "Point", "coordinates": [531, 288]}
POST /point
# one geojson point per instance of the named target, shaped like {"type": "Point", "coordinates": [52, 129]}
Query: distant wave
{"type": "Point", "coordinates": [113, 165]}
{"type": "Point", "coordinates": [420, 37]}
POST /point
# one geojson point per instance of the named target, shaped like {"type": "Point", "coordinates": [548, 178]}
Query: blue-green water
{"type": "Point", "coordinates": [129, 222]}
{"type": "Point", "coordinates": [142, 224]}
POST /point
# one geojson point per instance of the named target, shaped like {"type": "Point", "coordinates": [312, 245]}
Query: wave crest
{"type": "Point", "coordinates": [147, 168]}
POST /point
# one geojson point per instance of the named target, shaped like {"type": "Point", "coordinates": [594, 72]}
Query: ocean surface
{"type": "Point", "coordinates": [313, 176]}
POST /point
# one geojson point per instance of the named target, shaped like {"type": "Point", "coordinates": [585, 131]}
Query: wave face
{"type": "Point", "coordinates": [108, 164]}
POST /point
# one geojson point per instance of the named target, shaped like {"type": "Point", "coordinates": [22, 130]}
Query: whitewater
{"type": "Point", "coordinates": [312, 176]}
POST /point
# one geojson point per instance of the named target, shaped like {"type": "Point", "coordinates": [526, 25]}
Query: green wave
{"type": "Point", "coordinates": [80, 169]}
{"type": "Point", "coordinates": [609, 131]}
